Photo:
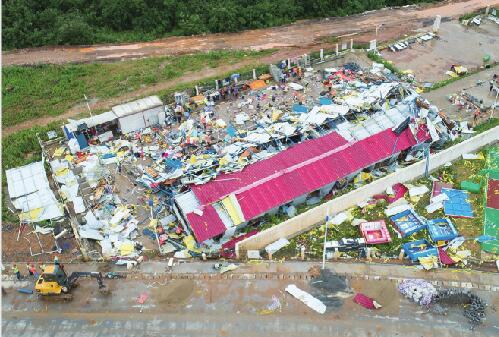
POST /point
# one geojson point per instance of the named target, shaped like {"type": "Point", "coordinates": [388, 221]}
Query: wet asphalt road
{"type": "Point", "coordinates": [227, 308]}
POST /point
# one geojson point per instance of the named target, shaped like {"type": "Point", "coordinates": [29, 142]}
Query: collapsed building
{"type": "Point", "coordinates": [315, 166]}
{"type": "Point", "coordinates": [192, 186]}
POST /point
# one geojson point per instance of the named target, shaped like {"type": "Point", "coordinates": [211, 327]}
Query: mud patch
{"type": "Point", "coordinates": [330, 288]}
{"type": "Point", "coordinates": [173, 293]}
{"type": "Point", "coordinates": [384, 292]}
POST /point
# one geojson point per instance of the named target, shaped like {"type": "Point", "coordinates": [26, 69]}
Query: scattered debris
{"type": "Point", "coordinates": [312, 302]}
{"type": "Point", "coordinates": [420, 291]}
{"type": "Point", "coordinates": [473, 306]}
{"type": "Point", "coordinates": [366, 302]}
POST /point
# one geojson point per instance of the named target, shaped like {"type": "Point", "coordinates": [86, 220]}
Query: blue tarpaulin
{"type": "Point", "coordinates": [173, 163]}
{"type": "Point", "coordinates": [325, 101]}
{"type": "Point", "coordinates": [108, 155]}
{"type": "Point", "coordinates": [82, 141]}
{"type": "Point", "coordinates": [231, 130]}
{"type": "Point", "coordinates": [457, 205]}
{"type": "Point", "coordinates": [299, 108]}
{"type": "Point", "coordinates": [419, 248]}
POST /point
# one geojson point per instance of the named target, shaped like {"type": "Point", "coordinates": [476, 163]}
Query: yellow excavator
{"type": "Point", "coordinates": [54, 282]}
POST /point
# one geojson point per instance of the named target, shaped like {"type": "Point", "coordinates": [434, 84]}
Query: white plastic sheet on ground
{"type": "Point", "coordinates": [26, 179]}
{"type": "Point", "coordinates": [310, 301]}
{"type": "Point", "coordinates": [30, 192]}
{"type": "Point", "coordinates": [90, 233]}
{"type": "Point", "coordinates": [295, 86]}
{"type": "Point", "coordinates": [418, 190]}
{"type": "Point", "coordinates": [79, 206]}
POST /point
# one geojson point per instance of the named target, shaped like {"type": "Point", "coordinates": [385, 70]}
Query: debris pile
{"type": "Point", "coordinates": [473, 306]}
{"type": "Point", "coordinates": [330, 288]}
{"type": "Point", "coordinates": [187, 178]}
{"type": "Point", "coordinates": [438, 301]}
{"type": "Point", "coordinates": [420, 291]}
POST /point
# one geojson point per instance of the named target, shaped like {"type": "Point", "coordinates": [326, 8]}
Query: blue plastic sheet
{"type": "Point", "coordinates": [300, 108]}
{"type": "Point", "coordinates": [325, 101]}
{"type": "Point", "coordinates": [408, 222]}
{"type": "Point", "coordinates": [441, 230]}
{"type": "Point", "coordinates": [457, 205]}
{"type": "Point", "coordinates": [231, 130]}
{"type": "Point", "coordinates": [173, 163]}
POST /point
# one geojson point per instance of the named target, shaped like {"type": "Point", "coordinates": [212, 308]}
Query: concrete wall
{"type": "Point", "coordinates": [312, 217]}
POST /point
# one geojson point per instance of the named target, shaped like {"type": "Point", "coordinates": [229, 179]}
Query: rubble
{"type": "Point", "coordinates": [135, 177]}
{"type": "Point", "coordinates": [473, 306]}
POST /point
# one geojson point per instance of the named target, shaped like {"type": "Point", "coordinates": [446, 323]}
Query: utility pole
{"type": "Point", "coordinates": [324, 249]}
{"type": "Point", "coordinates": [427, 165]}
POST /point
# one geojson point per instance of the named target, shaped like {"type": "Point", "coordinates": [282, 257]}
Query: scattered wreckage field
{"type": "Point", "coordinates": [459, 92]}
{"type": "Point", "coordinates": [129, 194]}
{"type": "Point", "coordinates": [374, 210]}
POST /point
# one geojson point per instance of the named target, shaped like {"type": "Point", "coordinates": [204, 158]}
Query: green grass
{"type": "Point", "coordinates": [468, 16]}
{"type": "Point", "coordinates": [49, 90]}
{"type": "Point", "coordinates": [490, 124]}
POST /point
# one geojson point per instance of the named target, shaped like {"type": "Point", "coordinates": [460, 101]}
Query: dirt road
{"type": "Point", "coordinates": [302, 34]}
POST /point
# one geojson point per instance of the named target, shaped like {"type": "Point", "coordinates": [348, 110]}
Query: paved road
{"type": "Point", "coordinates": [258, 269]}
{"type": "Point", "coordinates": [227, 308]}
{"type": "Point", "coordinates": [302, 34]}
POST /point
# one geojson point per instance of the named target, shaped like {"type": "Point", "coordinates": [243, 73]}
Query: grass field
{"type": "Point", "coordinates": [37, 91]}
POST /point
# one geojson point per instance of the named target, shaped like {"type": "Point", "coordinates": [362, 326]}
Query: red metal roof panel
{"type": "Point", "coordinates": [206, 226]}
{"type": "Point", "coordinates": [226, 184]}
{"type": "Point", "coordinates": [296, 171]}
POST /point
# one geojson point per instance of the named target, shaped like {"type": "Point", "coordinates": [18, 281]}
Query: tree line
{"type": "Point", "coordinates": [33, 23]}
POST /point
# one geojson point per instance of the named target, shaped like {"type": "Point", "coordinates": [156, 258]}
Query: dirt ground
{"type": "Point", "coordinates": [457, 44]}
{"type": "Point", "coordinates": [303, 34]}
{"type": "Point", "coordinates": [14, 250]}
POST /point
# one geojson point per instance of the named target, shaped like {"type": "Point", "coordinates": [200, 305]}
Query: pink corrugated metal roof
{"type": "Point", "coordinates": [296, 171]}
{"type": "Point", "coordinates": [207, 225]}
{"type": "Point", "coordinates": [303, 179]}
{"type": "Point", "coordinates": [226, 184]}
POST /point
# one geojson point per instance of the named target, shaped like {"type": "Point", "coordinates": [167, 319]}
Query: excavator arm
{"type": "Point", "coordinates": [97, 275]}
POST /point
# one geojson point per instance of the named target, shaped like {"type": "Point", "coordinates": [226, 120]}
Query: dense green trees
{"type": "Point", "coordinates": [31, 23]}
